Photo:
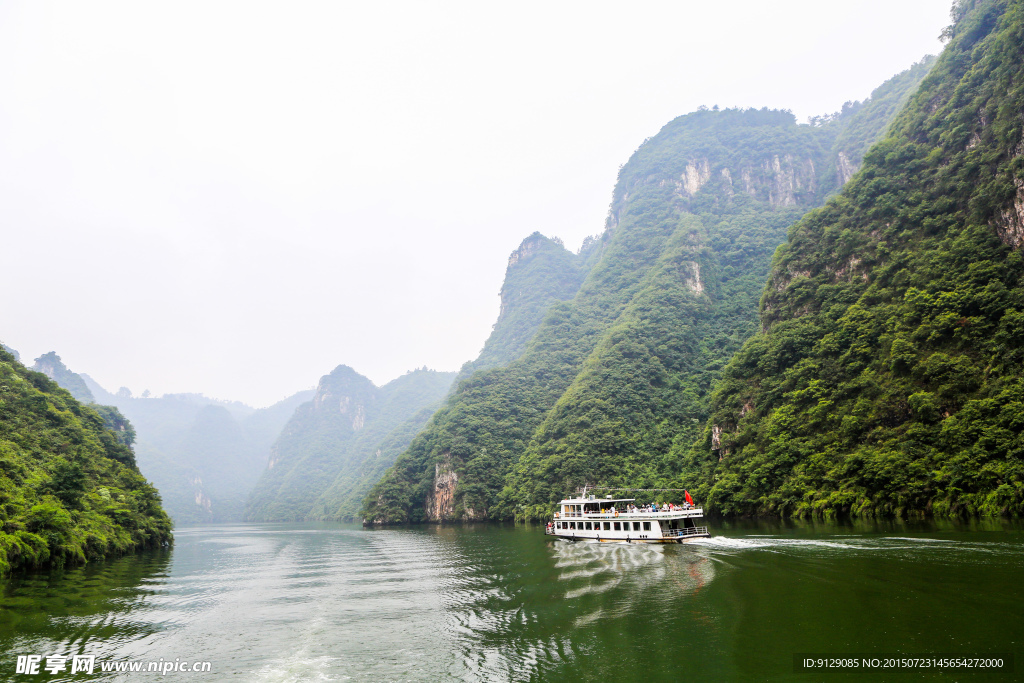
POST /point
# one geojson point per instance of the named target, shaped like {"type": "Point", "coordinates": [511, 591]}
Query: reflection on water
{"type": "Point", "coordinates": [85, 610]}
{"type": "Point", "coordinates": [496, 603]}
{"type": "Point", "coordinates": [594, 568]}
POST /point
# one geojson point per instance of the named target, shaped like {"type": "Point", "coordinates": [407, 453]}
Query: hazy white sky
{"type": "Point", "coordinates": [234, 197]}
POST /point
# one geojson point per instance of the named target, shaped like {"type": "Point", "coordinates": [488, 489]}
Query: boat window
{"type": "Point", "coordinates": [607, 526]}
{"type": "Point", "coordinates": [589, 527]}
{"type": "Point", "coordinates": [572, 525]}
{"type": "Point", "coordinates": [618, 526]}
{"type": "Point", "coordinates": [647, 526]}
{"type": "Point", "coordinates": [636, 526]}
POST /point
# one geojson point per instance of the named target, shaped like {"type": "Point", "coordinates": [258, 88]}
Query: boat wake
{"type": "Point", "coordinates": [841, 543]}
{"type": "Point", "coordinates": [763, 542]}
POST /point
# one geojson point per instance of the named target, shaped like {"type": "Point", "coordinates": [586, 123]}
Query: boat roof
{"type": "Point", "coordinates": [579, 501]}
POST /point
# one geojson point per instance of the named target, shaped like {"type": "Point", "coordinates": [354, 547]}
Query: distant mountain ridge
{"type": "Point", "coordinates": [203, 455]}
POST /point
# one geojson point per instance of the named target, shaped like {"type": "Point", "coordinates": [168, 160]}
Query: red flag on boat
{"type": "Point", "coordinates": [688, 499]}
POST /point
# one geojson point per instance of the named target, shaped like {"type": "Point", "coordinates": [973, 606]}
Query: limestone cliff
{"type": "Point", "coordinates": [440, 502]}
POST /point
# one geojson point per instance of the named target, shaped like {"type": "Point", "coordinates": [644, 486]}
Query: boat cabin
{"type": "Point", "coordinates": [614, 519]}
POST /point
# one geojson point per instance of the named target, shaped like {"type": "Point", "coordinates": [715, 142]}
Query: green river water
{"type": "Point", "coordinates": [505, 603]}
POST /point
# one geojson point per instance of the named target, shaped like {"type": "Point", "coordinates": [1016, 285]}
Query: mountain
{"type": "Point", "coordinates": [203, 455]}
{"type": "Point", "coordinates": [51, 365]}
{"type": "Point", "coordinates": [619, 375]}
{"type": "Point", "coordinates": [888, 373]}
{"type": "Point", "coordinates": [70, 488]}
{"type": "Point", "coordinates": [328, 454]}
{"type": "Point", "coordinates": [540, 273]}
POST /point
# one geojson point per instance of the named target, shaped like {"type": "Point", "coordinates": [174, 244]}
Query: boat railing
{"type": "Point", "coordinates": [696, 512]}
{"type": "Point", "coordinates": [688, 531]}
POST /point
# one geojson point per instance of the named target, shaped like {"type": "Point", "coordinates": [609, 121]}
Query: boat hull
{"type": "Point", "coordinates": [687, 539]}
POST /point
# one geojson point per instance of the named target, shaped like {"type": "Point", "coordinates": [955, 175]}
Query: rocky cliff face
{"type": "Point", "coordinates": [1009, 223]}
{"type": "Point", "coordinates": [779, 180]}
{"type": "Point", "coordinates": [440, 502]}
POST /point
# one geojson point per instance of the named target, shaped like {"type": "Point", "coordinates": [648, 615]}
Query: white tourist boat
{"type": "Point", "coordinates": [616, 520]}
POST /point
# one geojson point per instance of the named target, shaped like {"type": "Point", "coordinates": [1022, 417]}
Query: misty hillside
{"type": "Point", "coordinates": [203, 455]}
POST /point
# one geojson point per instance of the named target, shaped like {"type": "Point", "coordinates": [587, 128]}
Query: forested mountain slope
{"type": "Point", "coordinates": [69, 487]}
{"type": "Point", "coordinates": [889, 374]}
{"type": "Point", "coordinates": [615, 377]}
{"type": "Point", "coordinates": [321, 464]}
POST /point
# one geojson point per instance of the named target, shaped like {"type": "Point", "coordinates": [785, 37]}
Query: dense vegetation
{"type": "Point", "coordinates": [889, 378]}
{"type": "Point", "coordinates": [11, 351]}
{"type": "Point", "coordinates": [618, 375]}
{"type": "Point", "coordinates": [328, 454]}
{"type": "Point", "coordinates": [69, 487]}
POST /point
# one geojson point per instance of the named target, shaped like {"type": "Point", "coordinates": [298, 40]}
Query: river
{"type": "Point", "coordinates": [504, 603]}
